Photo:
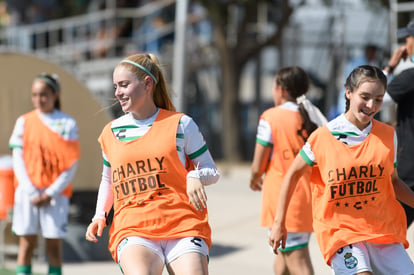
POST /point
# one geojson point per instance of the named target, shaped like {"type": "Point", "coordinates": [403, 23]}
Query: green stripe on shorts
{"type": "Point", "coordinates": [296, 247]}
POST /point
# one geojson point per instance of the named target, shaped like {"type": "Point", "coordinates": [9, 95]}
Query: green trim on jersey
{"type": "Point", "coordinates": [12, 146]}
{"type": "Point", "coordinates": [106, 163]}
{"type": "Point", "coordinates": [263, 142]}
{"type": "Point", "coordinates": [129, 138]}
{"type": "Point", "coordinates": [306, 158]}
{"type": "Point", "coordinates": [116, 130]}
{"type": "Point", "coordinates": [137, 137]}
{"type": "Point", "coordinates": [336, 133]}
{"type": "Point", "coordinates": [199, 152]}
{"type": "Point", "coordinates": [57, 125]}
{"type": "Point", "coordinates": [124, 127]}
{"type": "Point", "coordinates": [395, 164]}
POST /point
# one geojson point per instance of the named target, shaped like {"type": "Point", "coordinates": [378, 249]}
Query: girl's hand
{"type": "Point", "coordinates": [399, 54]}
{"type": "Point", "coordinates": [41, 200]}
{"type": "Point", "coordinates": [277, 236]}
{"type": "Point", "coordinates": [256, 184]}
{"type": "Point", "coordinates": [196, 193]}
{"type": "Point", "coordinates": [94, 229]}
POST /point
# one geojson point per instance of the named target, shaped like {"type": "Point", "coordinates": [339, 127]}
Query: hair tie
{"type": "Point", "coordinates": [50, 80]}
{"type": "Point", "coordinates": [300, 99]}
{"type": "Point", "coordinates": [142, 68]}
{"type": "Point", "coordinates": [315, 115]}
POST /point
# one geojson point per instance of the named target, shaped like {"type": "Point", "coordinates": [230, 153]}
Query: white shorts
{"type": "Point", "coordinates": [167, 250]}
{"type": "Point", "coordinates": [50, 220]}
{"type": "Point", "coordinates": [294, 241]}
{"type": "Point", "coordinates": [380, 259]}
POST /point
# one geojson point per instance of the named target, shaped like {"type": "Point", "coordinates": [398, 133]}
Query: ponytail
{"type": "Point", "coordinates": [295, 81]}
{"type": "Point", "coordinates": [147, 64]}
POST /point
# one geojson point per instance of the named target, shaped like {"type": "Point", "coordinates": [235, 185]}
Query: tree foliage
{"type": "Point", "coordinates": [238, 40]}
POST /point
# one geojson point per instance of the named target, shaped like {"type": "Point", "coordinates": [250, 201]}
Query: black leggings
{"type": "Point", "coordinates": [409, 212]}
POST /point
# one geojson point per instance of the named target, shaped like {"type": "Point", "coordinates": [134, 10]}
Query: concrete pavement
{"type": "Point", "coordinates": [239, 243]}
{"type": "Point", "coordinates": [234, 215]}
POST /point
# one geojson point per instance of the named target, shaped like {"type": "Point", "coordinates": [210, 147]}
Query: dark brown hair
{"type": "Point", "coordinates": [362, 74]}
{"type": "Point", "coordinates": [52, 81]}
{"type": "Point", "coordinates": [295, 81]}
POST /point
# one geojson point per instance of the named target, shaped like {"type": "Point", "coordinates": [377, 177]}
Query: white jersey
{"type": "Point", "coordinates": [58, 122]}
{"type": "Point", "coordinates": [264, 131]}
{"type": "Point", "coordinates": [348, 133]}
{"type": "Point", "coordinates": [52, 219]}
{"type": "Point", "coordinates": [190, 142]}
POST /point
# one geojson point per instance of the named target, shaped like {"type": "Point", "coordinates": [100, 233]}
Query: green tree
{"type": "Point", "coordinates": [236, 45]}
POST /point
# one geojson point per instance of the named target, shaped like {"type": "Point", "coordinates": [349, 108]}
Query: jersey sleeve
{"type": "Point", "coordinates": [16, 139]}
{"type": "Point", "coordinates": [105, 198]}
{"type": "Point", "coordinates": [73, 130]}
{"type": "Point", "coordinates": [307, 154]}
{"type": "Point", "coordinates": [19, 167]}
{"type": "Point", "coordinates": [194, 143]}
{"type": "Point", "coordinates": [196, 149]}
{"type": "Point", "coordinates": [264, 133]}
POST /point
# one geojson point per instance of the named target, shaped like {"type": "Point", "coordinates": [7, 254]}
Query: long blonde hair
{"type": "Point", "coordinates": [150, 64]}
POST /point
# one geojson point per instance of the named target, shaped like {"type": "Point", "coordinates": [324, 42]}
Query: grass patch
{"type": "Point", "coordinates": [4, 271]}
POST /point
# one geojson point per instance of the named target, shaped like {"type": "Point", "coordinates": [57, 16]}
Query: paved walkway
{"type": "Point", "coordinates": [239, 243]}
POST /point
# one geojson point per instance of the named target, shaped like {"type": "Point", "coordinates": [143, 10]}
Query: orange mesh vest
{"type": "Point", "coordinates": [149, 186]}
{"type": "Point", "coordinates": [45, 153]}
{"type": "Point", "coordinates": [286, 144]}
{"type": "Point", "coordinates": [6, 191]}
{"type": "Point", "coordinates": [354, 200]}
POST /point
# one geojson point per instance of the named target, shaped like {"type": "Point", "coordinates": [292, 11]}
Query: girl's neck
{"type": "Point", "coordinates": [144, 114]}
{"type": "Point", "coordinates": [355, 122]}
{"type": "Point", "coordinates": [46, 113]}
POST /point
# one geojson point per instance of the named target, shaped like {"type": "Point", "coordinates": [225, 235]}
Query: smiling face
{"type": "Point", "coordinates": [43, 97]}
{"type": "Point", "coordinates": [364, 102]}
{"type": "Point", "coordinates": [134, 95]}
